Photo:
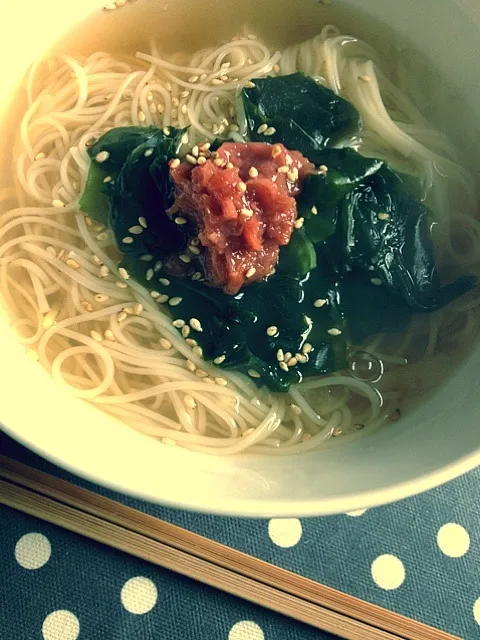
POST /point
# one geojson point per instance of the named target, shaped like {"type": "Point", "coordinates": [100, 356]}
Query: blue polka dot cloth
{"type": "Point", "coordinates": [419, 557]}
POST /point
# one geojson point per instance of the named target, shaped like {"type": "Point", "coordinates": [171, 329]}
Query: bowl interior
{"type": "Point", "coordinates": [431, 444]}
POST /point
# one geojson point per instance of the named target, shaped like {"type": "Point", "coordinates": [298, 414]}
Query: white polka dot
{"type": "Point", "coordinates": [285, 532]}
{"type": "Point", "coordinates": [453, 540]}
{"type": "Point", "coordinates": [61, 625]}
{"type": "Point", "coordinates": [476, 611]}
{"type": "Point", "coordinates": [32, 551]}
{"type": "Point", "coordinates": [355, 514]}
{"type": "Point", "coordinates": [246, 630]}
{"type": "Point", "coordinates": [388, 571]}
{"type": "Point", "coordinates": [139, 595]}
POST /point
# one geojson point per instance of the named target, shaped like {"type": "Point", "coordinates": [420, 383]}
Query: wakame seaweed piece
{"type": "Point", "coordinates": [298, 257]}
{"type": "Point", "coordinates": [371, 309]}
{"type": "Point", "coordinates": [386, 232]}
{"type": "Point", "coordinates": [140, 197]}
{"type": "Point", "coordinates": [306, 116]}
{"type": "Point", "coordinates": [344, 169]}
{"type": "Point", "coordinates": [118, 143]}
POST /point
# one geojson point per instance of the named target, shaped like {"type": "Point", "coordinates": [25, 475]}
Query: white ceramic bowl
{"type": "Point", "coordinates": [431, 445]}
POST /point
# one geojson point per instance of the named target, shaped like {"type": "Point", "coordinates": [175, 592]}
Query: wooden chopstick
{"type": "Point", "coordinates": [204, 560]}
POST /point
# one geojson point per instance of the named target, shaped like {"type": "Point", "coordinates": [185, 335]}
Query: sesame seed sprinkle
{"type": "Point", "coordinates": [155, 294]}
{"type": "Point", "coordinates": [241, 186]}
{"type": "Point", "coordinates": [272, 330]}
{"type": "Point", "coordinates": [196, 276]}
{"type": "Point", "coordinates": [295, 409]}
{"type": "Point", "coordinates": [148, 153]}
{"type": "Point", "coordinates": [185, 258]}
{"type": "Point", "coordinates": [102, 156]}
{"type": "Point", "coordinates": [280, 355]}
{"type": "Point", "coordinates": [180, 220]}
{"type": "Point", "coordinates": [253, 172]}
{"type": "Point", "coordinates": [276, 151]}
{"type": "Point", "coordinates": [123, 273]}
{"type": "Point", "coordinates": [250, 85]}
{"type": "Point", "coordinates": [376, 281]}
{"type": "Point", "coordinates": [73, 264]}
{"type": "Point", "coordinates": [191, 342]}
{"type": "Point", "coordinates": [96, 336]}
{"type": "Point", "coordinates": [185, 331]}
{"type": "Point", "coordinates": [191, 366]}
{"type": "Point", "coordinates": [307, 347]}
{"type": "Point", "coordinates": [104, 271]}
{"type": "Point", "coordinates": [298, 224]}
{"type": "Point", "coordinates": [283, 169]}
{"type": "Point", "coordinates": [127, 240]}
{"type": "Point", "coordinates": [196, 324]}
{"type": "Point", "coordinates": [218, 162]}
{"type": "Point", "coordinates": [121, 285]}
{"type": "Point", "coordinates": [201, 373]}
{"type": "Point", "coordinates": [103, 236]}
{"type": "Point", "coordinates": [179, 323]}
{"type": "Point", "coordinates": [149, 274]}
{"type": "Point", "coordinates": [197, 350]}
{"type": "Point", "coordinates": [383, 216]}
{"type": "Point", "coordinates": [195, 250]}
{"type": "Point", "coordinates": [189, 401]}
{"type": "Point", "coordinates": [175, 301]}
{"type": "Point", "coordinates": [107, 179]}
{"type": "Point", "coordinates": [319, 303]}
{"type": "Point", "coordinates": [109, 335]}
{"type": "Point", "coordinates": [164, 281]}
{"type": "Point", "coordinates": [250, 272]}
{"type": "Point", "coordinates": [270, 131]}
{"type": "Point", "coordinates": [253, 374]}
{"type": "Point", "coordinates": [122, 316]}
{"type": "Point", "coordinates": [58, 204]}
{"type": "Point", "coordinates": [262, 128]}
{"type": "Point", "coordinates": [283, 366]}
{"type": "Point", "coordinates": [138, 309]}
{"type": "Point", "coordinates": [220, 359]}
{"type": "Point", "coordinates": [174, 163]}
{"type": "Point", "coordinates": [292, 361]}
{"type": "Point", "coordinates": [314, 210]}
{"type": "Point", "coordinates": [164, 343]}
{"type": "Point", "coordinates": [158, 266]}
{"type": "Point", "coordinates": [248, 213]}
{"type": "Point", "coordinates": [190, 159]}
{"type": "Point", "coordinates": [334, 332]}
{"type": "Point", "coordinates": [162, 298]}
{"type": "Point", "coordinates": [147, 257]}
{"type": "Point", "coordinates": [229, 165]}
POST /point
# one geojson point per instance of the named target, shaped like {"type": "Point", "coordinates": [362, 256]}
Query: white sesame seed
{"type": "Point", "coordinates": [166, 130]}
{"type": "Point", "coordinates": [175, 301]}
{"type": "Point", "coordinates": [292, 362]}
{"type": "Point", "coordinates": [229, 165]}
{"type": "Point", "coordinates": [292, 176]}
{"type": "Point", "coordinates": [190, 159]}
{"type": "Point", "coordinates": [102, 156]}
{"type": "Point", "coordinates": [73, 264]}
{"type": "Point", "coordinates": [51, 250]}
{"type": "Point", "coordinates": [127, 240]}
{"type": "Point", "coordinates": [280, 355]}
{"type": "Point", "coordinates": [138, 309]}
{"type": "Point", "coordinates": [121, 316]}
{"type": "Point", "coordinates": [248, 213]}
{"type": "Point", "coordinates": [288, 355]}
{"type": "Point", "coordinates": [276, 68]}
{"type": "Point", "coordinates": [253, 172]}
{"type": "Point", "coordinates": [301, 357]}
{"type": "Point", "coordinates": [376, 281]}
{"type": "Point", "coordinates": [296, 409]}
{"type": "Point", "coordinates": [195, 250]}
{"type": "Point", "coordinates": [198, 351]}
{"type": "Point", "coordinates": [195, 151]}
{"type": "Point", "coordinates": [58, 204]}
{"type": "Point", "coordinates": [298, 224]}
{"type": "Point", "coordinates": [40, 156]}
{"type": "Point", "coordinates": [141, 116]}
{"type": "Point", "coordinates": [87, 306]}
{"type": "Point", "coordinates": [174, 163]}
{"type": "Point", "coordinates": [123, 273]}
{"type": "Point", "coordinates": [222, 382]}
{"type": "Point", "coordinates": [162, 298]}
{"type": "Point", "coordinates": [224, 78]}
{"type": "Point", "coordinates": [104, 271]}
{"type": "Point", "coordinates": [323, 169]}
{"type": "Point", "coordinates": [88, 221]}
{"type": "Point", "coordinates": [193, 79]}
{"type": "Point", "coordinates": [196, 276]}
{"type": "Point", "coordinates": [179, 323]}
{"type": "Point", "coordinates": [96, 336]}
{"type": "Point", "coordinates": [270, 131]}
{"type": "Point", "coordinates": [103, 236]}
{"type": "Point", "coordinates": [219, 359]}
{"type": "Point", "coordinates": [283, 366]}
{"type": "Point", "coordinates": [196, 324]}
{"type": "Point", "coordinates": [101, 297]}
{"type": "Point", "coordinates": [152, 108]}
{"type": "Point", "coordinates": [250, 85]}
{"type": "Point", "coordinates": [155, 294]}
{"type": "Point", "coordinates": [201, 373]}
{"type": "Point", "coordinates": [262, 128]}
{"type": "Point", "coordinates": [364, 78]}
{"type": "Point", "coordinates": [149, 274]}
{"type": "Point", "coordinates": [158, 266]}
{"type": "Point", "coordinates": [250, 272]}
{"type": "Point", "coordinates": [189, 401]}
{"type": "Point", "coordinates": [234, 127]}
{"type": "Point", "coordinates": [319, 302]}
{"type": "Point", "coordinates": [283, 169]}
{"type": "Point", "coordinates": [201, 160]}
{"type": "Point", "coordinates": [148, 153]}
{"type": "Point", "coordinates": [184, 258]}
{"type": "Point", "coordinates": [164, 343]}
{"type": "Point", "coordinates": [121, 285]}
{"type": "Point", "coordinates": [110, 7]}
{"type": "Point", "coordinates": [253, 374]}
{"type": "Point", "coordinates": [272, 330]}
{"type": "Point", "coordinates": [185, 331]}
{"type": "Point", "coordinates": [147, 257]}
{"type": "Point", "coordinates": [383, 216]}
{"type": "Point", "coordinates": [218, 162]}
{"type": "Point", "coordinates": [109, 335]}
{"type": "Point", "coordinates": [241, 186]}
{"type": "Point", "coordinates": [191, 342]}
{"type": "Point", "coordinates": [314, 210]}
{"type": "Point", "coordinates": [334, 332]}
{"type": "Point", "coordinates": [180, 220]}
{"type": "Point", "coordinates": [164, 281]}
{"type": "Point", "coordinates": [276, 151]}
{"type": "Point", "coordinates": [307, 347]}
{"type": "Point", "coordinates": [191, 366]}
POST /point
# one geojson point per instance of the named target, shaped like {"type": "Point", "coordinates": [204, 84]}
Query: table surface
{"type": "Point", "coordinates": [420, 557]}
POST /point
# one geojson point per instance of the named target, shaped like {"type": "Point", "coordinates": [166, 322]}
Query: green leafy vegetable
{"type": "Point", "coordinates": [306, 116]}
{"type": "Point", "coordinates": [298, 257]}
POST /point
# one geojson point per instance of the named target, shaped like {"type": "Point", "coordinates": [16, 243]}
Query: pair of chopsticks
{"type": "Point", "coordinates": [206, 561]}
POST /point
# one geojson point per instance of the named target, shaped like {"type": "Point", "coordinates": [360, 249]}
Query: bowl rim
{"type": "Point", "coordinates": [262, 508]}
